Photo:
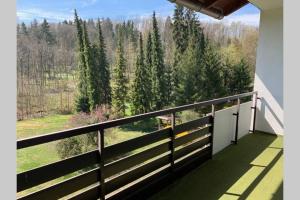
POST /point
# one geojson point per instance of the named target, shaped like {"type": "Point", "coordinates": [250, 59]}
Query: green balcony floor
{"type": "Point", "coordinates": [253, 169]}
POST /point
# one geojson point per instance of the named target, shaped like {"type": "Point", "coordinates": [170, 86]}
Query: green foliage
{"type": "Point", "coordinates": [45, 33]}
{"type": "Point", "coordinates": [158, 69]}
{"type": "Point", "coordinates": [241, 78]}
{"type": "Point", "coordinates": [149, 64]}
{"type": "Point", "coordinates": [188, 75]}
{"type": "Point", "coordinates": [82, 103]}
{"type": "Point", "coordinates": [80, 144]}
{"type": "Point", "coordinates": [191, 76]}
{"type": "Point", "coordinates": [120, 86]}
{"type": "Point", "coordinates": [213, 86]}
{"type": "Point", "coordinates": [104, 73]}
{"type": "Point", "coordinates": [93, 70]}
{"type": "Point", "coordinates": [140, 96]}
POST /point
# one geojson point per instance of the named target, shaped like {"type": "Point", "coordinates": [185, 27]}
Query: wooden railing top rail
{"type": "Point", "coordinates": [36, 140]}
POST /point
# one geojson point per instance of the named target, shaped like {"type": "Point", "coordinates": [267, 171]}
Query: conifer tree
{"type": "Point", "coordinates": [45, 33]}
{"type": "Point", "coordinates": [180, 40]}
{"type": "Point", "coordinates": [104, 73]}
{"type": "Point", "coordinates": [149, 65]}
{"type": "Point", "coordinates": [120, 84]}
{"type": "Point", "coordinates": [158, 69]}
{"type": "Point", "coordinates": [241, 78]}
{"type": "Point", "coordinates": [191, 75]}
{"type": "Point", "coordinates": [92, 70]}
{"type": "Point", "coordinates": [140, 96]}
{"type": "Point", "coordinates": [24, 29]}
{"type": "Point", "coordinates": [189, 66]}
{"type": "Point", "coordinates": [213, 85]}
{"type": "Point", "coordinates": [82, 100]}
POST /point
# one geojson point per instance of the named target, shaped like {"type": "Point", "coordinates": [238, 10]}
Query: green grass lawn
{"type": "Point", "coordinates": [32, 157]}
{"type": "Point", "coordinates": [38, 126]}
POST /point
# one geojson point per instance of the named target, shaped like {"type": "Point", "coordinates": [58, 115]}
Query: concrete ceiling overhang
{"type": "Point", "coordinates": [214, 8]}
{"type": "Point", "coordinates": [267, 4]}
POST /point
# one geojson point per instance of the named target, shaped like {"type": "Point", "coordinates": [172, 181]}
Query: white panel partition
{"type": "Point", "coordinates": [245, 119]}
{"type": "Point", "coordinates": [224, 126]}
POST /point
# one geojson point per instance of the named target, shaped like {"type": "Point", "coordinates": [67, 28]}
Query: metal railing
{"type": "Point", "coordinates": [164, 155]}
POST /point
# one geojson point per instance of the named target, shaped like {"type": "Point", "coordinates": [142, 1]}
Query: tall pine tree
{"type": "Point", "coordinates": [213, 85]}
{"type": "Point", "coordinates": [158, 69]}
{"type": "Point", "coordinates": [104, 72]}
{"type": "Point", "coordinates": [92, 71]}
{"type": "Point", "coordinates": [190, 55]}
{"type": "Point", "coordinates": [149, 65]}
{"type": "Point", "coordinates": [141, 87]}
{"type": "Point", "coordinates": [120, 85]}
{"type": "Point", "coordinates": [82, 100]}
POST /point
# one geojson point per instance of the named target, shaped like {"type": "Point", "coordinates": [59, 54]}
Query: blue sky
{"type": "Point", "coordinates": [59, 10]}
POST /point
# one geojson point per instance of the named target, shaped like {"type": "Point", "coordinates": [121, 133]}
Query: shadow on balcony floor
{"type": "Point", "coordinates": [253, 169]}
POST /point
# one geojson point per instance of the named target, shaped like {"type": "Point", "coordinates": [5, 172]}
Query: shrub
{"type": "Point", "coordinates": [83, 143]}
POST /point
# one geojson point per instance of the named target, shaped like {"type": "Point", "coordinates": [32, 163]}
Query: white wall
{"type": "Point", "coordinates": [224, 127]}
{"type": "Point", "coordinates": [269, 69]}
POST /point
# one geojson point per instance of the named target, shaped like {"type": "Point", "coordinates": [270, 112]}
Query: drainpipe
{"type": "Point", "coordinates": [196, 6]}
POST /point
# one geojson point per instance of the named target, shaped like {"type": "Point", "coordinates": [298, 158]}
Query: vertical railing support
{"type": "Point", "coordinates": [211, 128]}
{"type": "Point", "coordinates": [254, 107]}
{"type": "Point", "coordinates": [173, 123]}
{"type": "Point", "coordinates": [237, 114]}
{"type": "Point", "coordinates": [101, 150]}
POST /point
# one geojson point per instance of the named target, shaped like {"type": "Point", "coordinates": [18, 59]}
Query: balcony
{"type": "Point", "coordinates": [212, 157]}
{"type": "Point", "coordinates": [253, 169]}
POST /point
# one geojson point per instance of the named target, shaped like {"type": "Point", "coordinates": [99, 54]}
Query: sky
{"type": "Point", "coordinates": [59, 10]}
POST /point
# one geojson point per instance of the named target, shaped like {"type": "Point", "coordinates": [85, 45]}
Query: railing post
{"type": "Point", "coordinates": [173, 123]}
{"type": "Point", "coordinates": [254, 113]}
{"type": "Point", "coordinates": [237, 114]}
{"type": "Point", "coordinates": [211, 128]}
{"type": "Point", "coordinates": [101, 150]}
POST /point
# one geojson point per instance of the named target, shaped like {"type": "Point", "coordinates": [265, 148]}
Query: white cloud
{"type": "Point", "coordinates": [249, 19]}
{"type": "Point", "coordinates": [39, 14]}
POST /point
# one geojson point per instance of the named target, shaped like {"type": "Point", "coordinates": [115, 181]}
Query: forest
{"type": "Point", "coordinates": [130, 67]}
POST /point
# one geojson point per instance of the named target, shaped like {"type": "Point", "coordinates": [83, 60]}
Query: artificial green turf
{"type": "Point", "coordinates": [253, 169]}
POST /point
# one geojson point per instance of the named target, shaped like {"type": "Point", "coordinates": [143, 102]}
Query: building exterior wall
{"type": "Point", "coordinates": [269, 71]}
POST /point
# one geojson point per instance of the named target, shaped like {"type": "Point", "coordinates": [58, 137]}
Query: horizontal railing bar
{"type": "Point", "coordinates": [136, 173]}
{"type": "Point", "coordinates": [191, 136]}
{"type": "Point", "coordinates": [136, 143]}
{"type": "Point", "coordinates": [89, 194]}
{"type": "Point", "coordinates": [57, 169]}
{"type": "Point", "coordinates": [191, 147]}
{"type": "Point", "coordinates": [156, 179]}
{"type": "Point", "coordinates": [36, 140]}
{"type": "Point", "coordinates": [192, 124]}
{"type": "Point", "coordinates": [136, 159]}
{"type": "Point", "coordinates": [199, 156]}
{"type": "Point", "coordinates": [65, 187]}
